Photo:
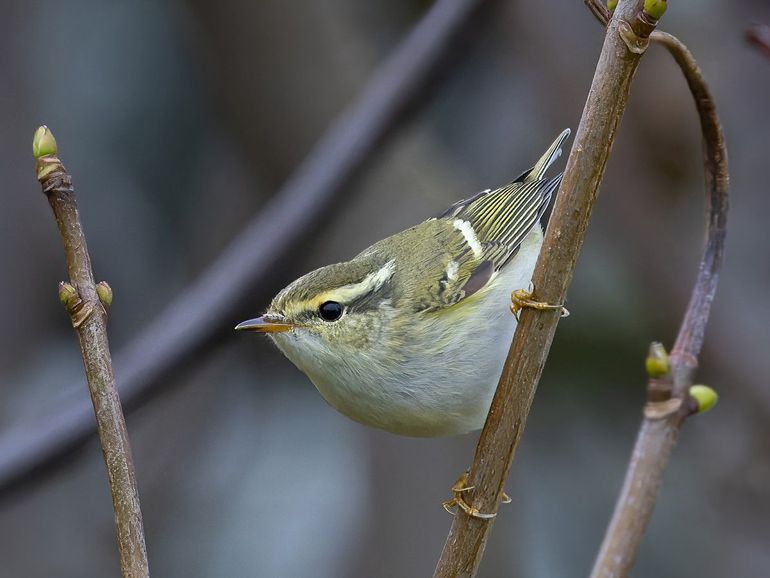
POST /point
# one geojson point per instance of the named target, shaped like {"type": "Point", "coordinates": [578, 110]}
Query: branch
{"type": "Point", "coordinates": [599, 10]}
{"type": "Point", "coordinates": [758, 36]}
{"type": "Point", "coordinates": [191, 323]}
{"type": "Point", "coordinates": [670, 397]}
{"type": "Point", "coordinates": [85, 302]}
{"type": "Point", "coordinates": [624, 45]}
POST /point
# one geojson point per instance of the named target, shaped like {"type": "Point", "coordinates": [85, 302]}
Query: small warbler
{"type": "Point", "coordinates": [410, 336]}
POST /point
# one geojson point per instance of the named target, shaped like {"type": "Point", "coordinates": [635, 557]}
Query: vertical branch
{"type": "Point", "coordinates": [85, 301]}
{"type": "Point", "coordinates": [625, 42]}
{"type": "Point", "coordinates": [670, 397]}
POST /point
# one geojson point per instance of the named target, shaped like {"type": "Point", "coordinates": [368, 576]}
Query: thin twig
{"type": "Point", "coordinates": [623, 47]}
{"type": "Point", "coordinates": [690, 337]}
{"type": "Point", "coordinates": [668, 403]}
{"type": "Point", "coordinates": [599, 10]}
{"type": "Point", "coordinates": [84, 302]}
{"type": "Point", "coordinates": [759, 37]}
{"type": "Point", "coordinates": [193, 321]}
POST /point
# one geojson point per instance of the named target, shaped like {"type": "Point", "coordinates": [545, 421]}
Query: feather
{"type": "Point", "coordinates": [488, 228]}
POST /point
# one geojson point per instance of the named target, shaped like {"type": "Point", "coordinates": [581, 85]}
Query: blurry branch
{"type": "Point", "coordinates": [624, 44]}
{"type": "Point", "coordinates": [85, 302]}
{"type": "Point", "coordinates": [758, 36]}
{"type": "Point", "coordinates": [192, 322]}
{"type": "Point", "coordinates": [599, 10]}
{"type": "Point", "coordinates": [671, 396]}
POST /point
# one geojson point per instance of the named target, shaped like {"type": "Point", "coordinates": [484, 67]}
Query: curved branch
{"type": "Point", "coordinates": [624, 45]}
{"type": "Point", "coordinates": [193, 321]}
{"type": "Point", "coordinates": [83, 299]}
{"type": "Point", "coordinates": [690, 338]}
{"type": "Point", "coordinates": [668, 403]}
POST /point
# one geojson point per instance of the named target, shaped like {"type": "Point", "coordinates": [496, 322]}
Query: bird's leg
{"type": "Point", "coordinates": [522, 298]}
{"type": "Point", "coordinates": [458, 500]}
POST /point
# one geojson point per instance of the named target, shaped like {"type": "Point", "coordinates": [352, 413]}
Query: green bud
{"type": "Point", "coordinates": [68, 295]}
{"type": "Point", "coordinates": [657, 360]}
{"type": "Point", "coordinates": [104, 291]}
{"type": "Point", "coordinates": [43, 143]}
{"type": "Point", "coordinates": [655, 8]}
{"type": "Point", "coordinates": [612, 4]}
{"type": "Point", "coordinates": [704, 396]}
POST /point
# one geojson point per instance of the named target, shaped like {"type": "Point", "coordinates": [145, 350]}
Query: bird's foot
{"type": "Point", "coordinates": [458, 501]}
{"type": "Point", "coordinates": [522, 298]}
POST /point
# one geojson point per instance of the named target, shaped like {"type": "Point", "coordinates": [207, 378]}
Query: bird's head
{"type": "Point", "coordinates": [330, 311]}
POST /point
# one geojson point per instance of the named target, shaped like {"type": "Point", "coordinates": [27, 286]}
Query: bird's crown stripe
{"type": "Point", "coordinates": [355, 291]}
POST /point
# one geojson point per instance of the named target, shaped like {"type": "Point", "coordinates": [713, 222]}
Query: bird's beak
{"type": "Point", "coordinates": [265, 324]}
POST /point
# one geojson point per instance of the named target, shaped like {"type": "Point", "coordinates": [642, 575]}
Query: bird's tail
{"type": "Point", "coordinates": [549, 157]}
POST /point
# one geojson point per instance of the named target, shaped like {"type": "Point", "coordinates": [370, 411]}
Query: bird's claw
{"type": "Point", "coordinates": [458, 501]}
{"type": "Point", "coordinates": [522, 298]}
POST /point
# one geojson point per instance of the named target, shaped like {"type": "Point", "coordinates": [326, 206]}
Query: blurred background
{"type": "Point", "coordinates": [179, 119]}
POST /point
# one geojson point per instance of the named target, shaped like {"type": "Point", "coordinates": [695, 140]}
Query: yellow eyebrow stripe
{"type": "Point", "coordinates": [348, 293]}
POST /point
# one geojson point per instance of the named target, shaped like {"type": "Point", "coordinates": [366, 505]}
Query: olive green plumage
{"type": "Point", "coordinates": [410, 335]}
{"type": "Point", "coordinates": [437, 266]}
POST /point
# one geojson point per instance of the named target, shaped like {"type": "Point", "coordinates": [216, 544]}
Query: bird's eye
{"type": "Point", "coordinates": [330, 311]}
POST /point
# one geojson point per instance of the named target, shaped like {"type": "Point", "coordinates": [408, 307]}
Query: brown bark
{"type": "Point", "coordinates": [89, 319]}
{"type": "Point", "coordinates": [624, 44]}
{"type": "Point", "coordinates": [668, 400]}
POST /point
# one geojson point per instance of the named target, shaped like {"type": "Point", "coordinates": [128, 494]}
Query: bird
{"type": "Point", "coordinates": [410, 335]}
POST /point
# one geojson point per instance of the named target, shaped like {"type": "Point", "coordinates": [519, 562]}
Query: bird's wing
{"type": "Point", "coordinates": [481, 234]}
